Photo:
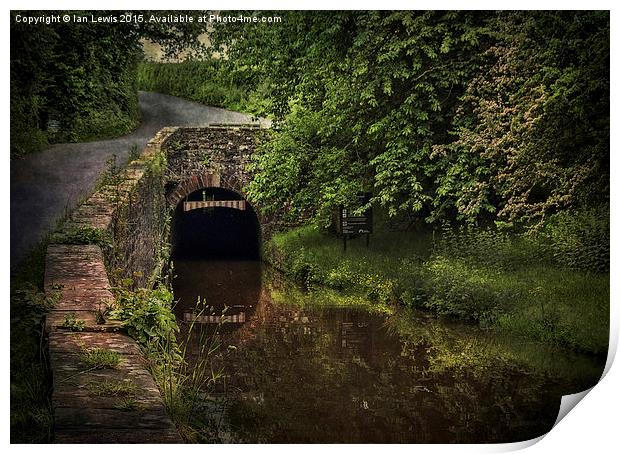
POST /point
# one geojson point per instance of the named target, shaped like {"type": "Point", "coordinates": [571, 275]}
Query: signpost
{"type": "Point", "coordinates": [349, 224]}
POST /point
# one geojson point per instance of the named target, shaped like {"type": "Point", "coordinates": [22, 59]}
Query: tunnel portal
{"type": "Point", "coordinates": [215, 223]}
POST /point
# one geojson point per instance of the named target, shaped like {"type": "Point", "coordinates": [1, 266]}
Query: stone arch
{"type": "Point", "coordinates": [208, 179]}
{"type": "Point", "coordinates": [211, 180]}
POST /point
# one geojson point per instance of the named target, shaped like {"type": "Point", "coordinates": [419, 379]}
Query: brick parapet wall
{"type": "Point", "coordinates": [131, 214]}
{"type": "Point", "coordinates": [132, 211]}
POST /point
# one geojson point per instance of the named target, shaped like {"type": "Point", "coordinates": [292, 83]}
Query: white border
{"type": "Point", "coordinates": [592, 426]}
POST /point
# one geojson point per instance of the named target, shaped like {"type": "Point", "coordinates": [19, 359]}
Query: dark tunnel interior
{"type": "Point", "coordinates": [215, 233]}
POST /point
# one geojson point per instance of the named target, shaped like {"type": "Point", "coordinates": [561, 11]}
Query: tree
{"type": "Point", "coordinates": [462, 116]}
{"type": "Point", "coordinates": [532, 131]}
{"type": "Point", "coordinates": [81, 74]}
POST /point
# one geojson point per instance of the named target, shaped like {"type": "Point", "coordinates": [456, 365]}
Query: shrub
{"type": "Point", "coordinates": [147, 315]}
{"type": "Point", "coordinates": [462, 291]}
{"type": "Point", "coordinates": [580, 240]}
{"type": "Point", "coordinates": [491, 248]}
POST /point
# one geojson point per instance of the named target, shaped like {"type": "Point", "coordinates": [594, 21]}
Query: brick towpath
{"type": "Point", "coordinates": [121, 404]}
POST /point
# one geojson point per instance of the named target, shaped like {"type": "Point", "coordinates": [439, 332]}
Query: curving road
{"type": "Point", "coordinates": [47, 185]}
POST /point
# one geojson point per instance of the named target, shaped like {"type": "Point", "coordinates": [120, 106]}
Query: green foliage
{"type": "Point", "coordinates": [465, 292]}
{"type": "Point", "coordinates": [77, 81]}
{"type": "Point", "coordinates": [185, 378]}
{"type": "Point", "coordinates": [361, 95]}
{"type": "Point", "coordinates": [101, 358]}
{"type": "Point", "coordinates": [507, 282]}
{"type": "Point", "coordinates": [468, 116]}
{"type": "Point", "coordinates": [390, 269]}
{"type": "Point", "coordinates": [519, 284]}
{"type": "Point", "coordinates": [26, 137]}
{"type": "Point", "coordinates": [532, 130]}
{"type": "Point", "coordinates": [157, 164]}
{"type": "Point", "coordinates": [580, 240]}
{"type": "Point", "coordinates": [111, 175]}
{"type": "Point", "coordinates": [127, 404]}
{"type": "Point", "coordinates": [134, 153]}
{"type": "Point", "coordinates": [147, 315]}
{"type": "Point", "coordinates": [491, 248]}
{"type": "Point", "coordinates": [82, 235]}
{"type": "Point", "coordinates": [70, 82]}
{"type": "Point", "coordinates": [200, 81]}
{"type": "Point", "coordinates": [30, 48]}
{"type": "Point", "coordinates": [72, 323]}
{"type": "Point", "coordinates": [113, 388]}
{"type": "Point", "coordinates": [31, 412]}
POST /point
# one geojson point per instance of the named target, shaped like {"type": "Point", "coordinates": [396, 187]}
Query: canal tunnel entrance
{"type": "Point", "coordinates": [215, 247]}
{"type": "Point", "coordinates": [215, 223]}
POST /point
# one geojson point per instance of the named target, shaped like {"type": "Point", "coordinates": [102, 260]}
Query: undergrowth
{"type": "Point", "coordinates": [183, 373]}
{"type": "Point", "coordinates": [31, 412]}
{"type": "Point", "coordinates": [521, 284]}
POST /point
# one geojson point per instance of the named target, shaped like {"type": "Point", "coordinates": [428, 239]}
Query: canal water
{"type": "Point", "coordinates": [297, 366]}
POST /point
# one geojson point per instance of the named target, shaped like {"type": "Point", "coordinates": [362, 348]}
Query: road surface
{"type": "Point", "coordinates": [45, 186]}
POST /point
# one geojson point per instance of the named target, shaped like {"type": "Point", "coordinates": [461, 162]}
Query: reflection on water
{"type": "Point", "coordinates": [319, 367]}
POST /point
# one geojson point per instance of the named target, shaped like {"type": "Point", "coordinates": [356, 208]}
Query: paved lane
{"type": "Point", "coordinates": [46, 185]}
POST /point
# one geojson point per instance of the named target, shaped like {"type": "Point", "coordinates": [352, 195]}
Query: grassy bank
{"type": "Point", "coordinates": [504, 282]}
{"type": "Point", "coordinates": [200, 81]}
{"type": "Point", "coordinates": [98, 123]}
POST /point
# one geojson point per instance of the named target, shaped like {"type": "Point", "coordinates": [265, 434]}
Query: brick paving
{"type": "Point", "coordinates": [83, 412]}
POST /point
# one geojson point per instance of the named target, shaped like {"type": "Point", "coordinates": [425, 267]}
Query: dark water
{"type": "Point", "coordinates": [317, 367]}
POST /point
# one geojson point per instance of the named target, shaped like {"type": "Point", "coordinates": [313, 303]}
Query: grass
{"type": "Point", "coordinates": [199, 81]}
{"type": "Point", "coordinates": [313, 257]}
{"type": "Point", "coordinates": [127, 404]}
{"type": "Point", "coordinates": [31, 413]}
{"type": "Point", "coordinates": [113, 388]}
{"type": "Point", "coordinates": [101, 358]}
{"type": "Point", "coordinates": [507, 283]}
{"type": "Point", "coordinates": [72, 323]}
{"type": "Point", "coordinates": [322, 297]}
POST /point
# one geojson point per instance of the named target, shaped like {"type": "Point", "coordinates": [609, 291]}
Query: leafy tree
{"type": "Point", "coordinates": [364, 96]}
{"type": "Point", "coordinates": [532, 131]}
{"type": "Point", "coordinates": [441, 115]}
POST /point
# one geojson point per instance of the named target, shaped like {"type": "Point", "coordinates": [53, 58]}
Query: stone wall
{"type": "Point", "coordinates": [225, 151]}
{"type": "Point", "coordinates": [119, 231]}
{"type": "Point", "coordinates": [127, 217]}
{"type": "Point", "coordinates": [215, 156]}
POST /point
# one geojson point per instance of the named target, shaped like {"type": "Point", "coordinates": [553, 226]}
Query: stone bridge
{"type": "Point", "coordinates": [211, 163]}
{"type": "Point", "coordinates": [121, 231]}
{"type": "Point", "coordinates": [208, 157]}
